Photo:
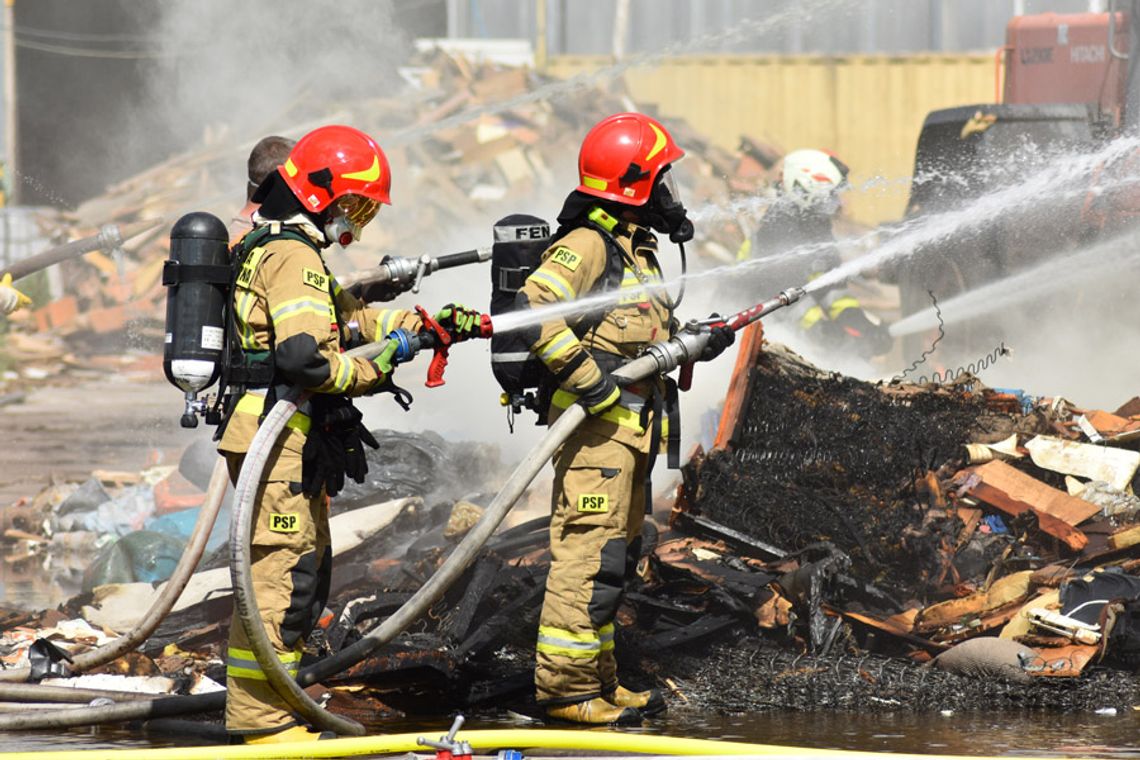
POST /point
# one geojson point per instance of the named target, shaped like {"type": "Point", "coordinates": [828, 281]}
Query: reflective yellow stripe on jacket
{"type": "Point", "coordinates": [626, 412]}
{"type": "Point", "coordinates": [252, 403]}
{"type": "Point", "coordinates": [813, 315]}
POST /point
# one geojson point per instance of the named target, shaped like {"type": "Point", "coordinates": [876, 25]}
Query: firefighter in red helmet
{"type": "Point", "coordinates": [293, 322]}
{"type": "Point", "coordinates": [605, 242]}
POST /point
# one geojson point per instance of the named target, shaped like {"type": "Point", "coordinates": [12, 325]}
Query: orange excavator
{"type": "Point", "coordinates": [1064, 83]}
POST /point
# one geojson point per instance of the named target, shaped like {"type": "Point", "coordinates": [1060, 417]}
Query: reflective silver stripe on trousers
{"type": "Point", "coordinates": [585, 646]}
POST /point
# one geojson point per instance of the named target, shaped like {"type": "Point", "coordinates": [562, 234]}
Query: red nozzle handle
{"type": "Point", "coordinates": [685, 379]}
{"type": "Point", "coordinates": [441, 343]}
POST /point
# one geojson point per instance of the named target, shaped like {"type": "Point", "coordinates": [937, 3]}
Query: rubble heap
{"type": "Point", "coordinates": [957, 575]}
{"type": "Point", "coordinates": [451, 182]}
{"type": "Point", "coordinates": [823, 457]}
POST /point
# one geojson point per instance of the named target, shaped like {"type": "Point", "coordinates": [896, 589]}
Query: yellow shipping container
{"type": "Point", "coordinates": [867, 109]}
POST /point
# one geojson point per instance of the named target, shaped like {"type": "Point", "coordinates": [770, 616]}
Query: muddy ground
{"type": "Point", "coordinates": [65, 432]}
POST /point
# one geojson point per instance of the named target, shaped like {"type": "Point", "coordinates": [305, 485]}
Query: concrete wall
{"type": "Point", "coordinates": [867, 109]}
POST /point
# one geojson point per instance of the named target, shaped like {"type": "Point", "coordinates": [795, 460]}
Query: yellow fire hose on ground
{"type": "Point", "coordinates": [483, 742]}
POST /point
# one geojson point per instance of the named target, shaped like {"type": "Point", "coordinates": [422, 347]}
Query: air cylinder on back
{"type": "Point", "coordinates": [197, 277]}
{"type": "Point", "coordinates": [520, 240]}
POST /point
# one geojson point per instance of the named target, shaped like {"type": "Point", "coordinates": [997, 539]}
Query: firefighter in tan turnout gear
{"type": "Point", "coordinates": [601, 473]}
{"type": "Point", "coordinates": [292, 322]}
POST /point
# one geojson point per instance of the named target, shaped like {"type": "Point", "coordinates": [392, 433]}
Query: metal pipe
{"type": "Point", "coordinates": [187, 564]}
{"type": "Point", "coordinates": [406, 272]}
{"type": "Point", "coordinates": [109, 238]}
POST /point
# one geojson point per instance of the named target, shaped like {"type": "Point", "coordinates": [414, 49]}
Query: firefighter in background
{"type": "Point", "coordinates": [268, 154]}
{"type": "Point", "coordinates": [293, 321]}
{"type": "Point", "coordinates": [10, 298]}
{"type": "Point", "coordinates": [800, 220]}
{"type": "Point", "coordinates": [600, 492]}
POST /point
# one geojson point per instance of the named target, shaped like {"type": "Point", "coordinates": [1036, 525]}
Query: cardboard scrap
{"type": "Point", "coordinates": [1112, 465]}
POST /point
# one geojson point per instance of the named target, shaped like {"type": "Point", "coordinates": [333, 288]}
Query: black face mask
{"type": "Point", "coordinates": [664, 211]}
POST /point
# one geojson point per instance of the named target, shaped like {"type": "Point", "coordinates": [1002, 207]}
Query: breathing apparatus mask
{"type": "Point", "coordinates": [345, 219]}
{"type": "Point", "coordinates": [664, 211]}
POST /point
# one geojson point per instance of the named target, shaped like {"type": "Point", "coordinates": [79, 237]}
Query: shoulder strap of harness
{"type": "Point", "coordinates": [239, 370]}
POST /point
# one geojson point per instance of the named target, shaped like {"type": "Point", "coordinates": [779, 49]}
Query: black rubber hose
{"type": "Point", "coordinates": [474, 256]}
{"type": "Point", "coordinates": [144, 709]}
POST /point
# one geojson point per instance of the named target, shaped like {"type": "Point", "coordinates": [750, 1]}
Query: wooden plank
{"type": "Point", "coordinates": [970, 518]}
{"type": "Point", "coordinates": [1072, 537]}
{"type": "Point", "coordinates": [1124, 538]}
{"type": "Point", "coordinates": [737, 396]}
{"type": "Point", "coordinates": [1041, 497]}
{"type": "Point", "coordinates": [892, 628]}
{"type": "Point", "coordinates": [1005, 591]}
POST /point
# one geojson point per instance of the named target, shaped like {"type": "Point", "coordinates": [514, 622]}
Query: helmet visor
{"type": "Point", "coordinates": [667, 192]}
{"type": "Point", "coordinates": [357, 209]}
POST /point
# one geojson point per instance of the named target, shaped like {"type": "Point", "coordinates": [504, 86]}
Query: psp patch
{"type": "Point", "coordinates": [284, 522]}
{"type": "Point", "coordinates": [567, 258]}
{"type": "Point", "coordinates": [315, 279]}
{"type": "Point", "coordinates": [593, 502]}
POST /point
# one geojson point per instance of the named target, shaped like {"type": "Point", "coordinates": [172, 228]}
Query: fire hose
{"type": "Point", "coordinates": [187, 563]}
{"type": "Point", "coordinates": [402, 273]}
{"type": "Point", "coordinates": [109, 238]}
{"type": "Point", "coordinates": [659, 358]}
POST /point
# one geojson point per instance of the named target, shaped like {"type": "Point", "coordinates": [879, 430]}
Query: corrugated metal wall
{"type": "Point", "coordinates": [586, 27]}
{"type": "Point", "coordinates": [867, 109]}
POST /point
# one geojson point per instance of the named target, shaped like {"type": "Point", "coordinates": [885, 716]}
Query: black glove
{"type": "Point", "coordinates": [721, 336]}
{"type": "Point", "coordinates": [334, 446]}
{"type": "Point", "coordinates": [374, 292]}
{"type": "Point", "coordinates": [322, 463]}
{"type": "Point", "coordinates": [601, 395]}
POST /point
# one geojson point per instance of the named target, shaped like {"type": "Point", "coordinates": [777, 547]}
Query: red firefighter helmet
{"type": "Point", "coordinates": [622, 156]}
{"type": "Point", "coordinates": [334, 161]}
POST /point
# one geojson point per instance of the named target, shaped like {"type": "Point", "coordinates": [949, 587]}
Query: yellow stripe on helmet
{"type": "Point", "coordinates": [371, 174]}
{"type": "Point", "coordinates": [659, 144]}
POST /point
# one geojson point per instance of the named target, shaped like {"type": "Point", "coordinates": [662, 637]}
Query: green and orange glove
{"type": "Point", "coordinates": [460, 321]}
{"type": "Point", "coordinates": [385, 362]}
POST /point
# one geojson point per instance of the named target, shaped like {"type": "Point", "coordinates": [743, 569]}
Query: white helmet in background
{"type": "Point", "coordinates": [812, 179]}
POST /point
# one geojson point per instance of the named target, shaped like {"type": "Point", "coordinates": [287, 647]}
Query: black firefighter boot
{"type": "Point", "coordinates": [648, 702]}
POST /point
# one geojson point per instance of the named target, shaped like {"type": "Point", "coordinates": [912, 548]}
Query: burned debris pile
{"type": "Point", "coordinates": [823, 457]}
{"type": "Point", "coordinates": [986, 534]}
{"type": "Point", "coordinates": [854, 546]}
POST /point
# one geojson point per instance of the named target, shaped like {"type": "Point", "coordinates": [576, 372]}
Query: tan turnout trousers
{"type": "Point", "coordinates": [291, 561]}
{"type": "Point", "coordinates": [598, 509]}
